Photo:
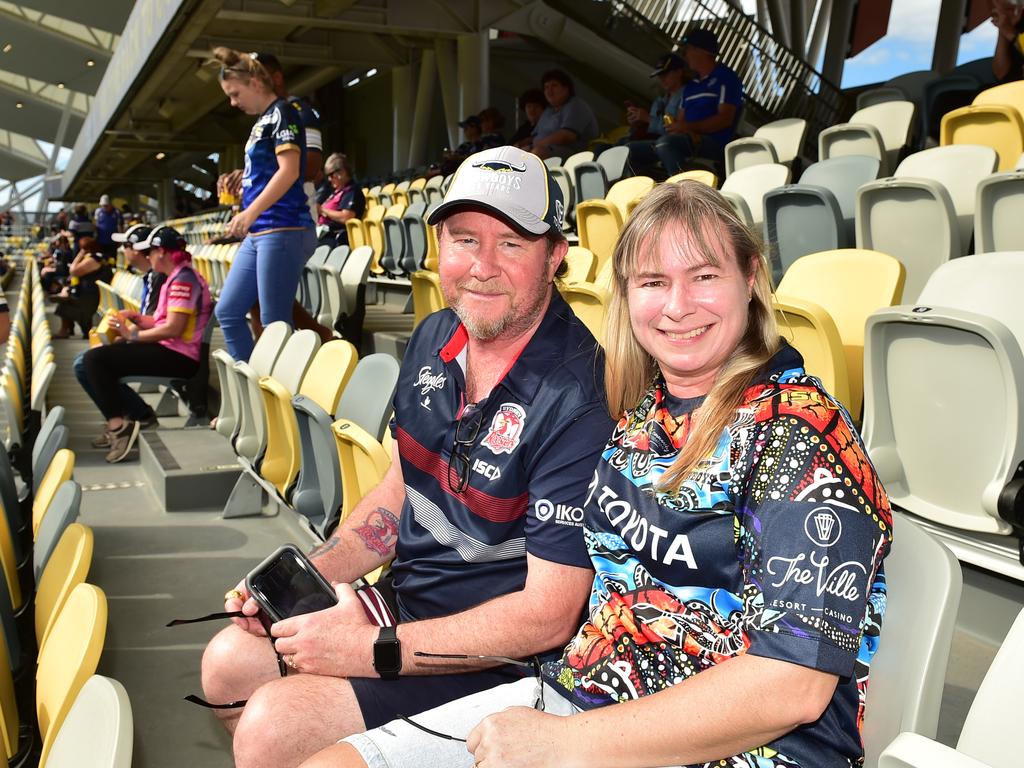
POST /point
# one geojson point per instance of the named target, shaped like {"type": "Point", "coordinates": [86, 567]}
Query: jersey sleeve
{"type": "Point", "coordinates": [574, 116]}
{"type": "Point", "coordinates": [559, 481]}
{"type": "Point", "coordinates": [286, 128]}
{"type": "Point", "coordinates": [183, 293]}
{"type": "Point", "coordinates": [311, 123]}
{"type": "Point", "coordinates": [732, 90]}
{"type": "Point", "coordinates": [813, 529]}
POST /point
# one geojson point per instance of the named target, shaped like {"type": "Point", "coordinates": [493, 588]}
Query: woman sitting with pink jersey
{"type": "Point", "coordinates": [167, 343]}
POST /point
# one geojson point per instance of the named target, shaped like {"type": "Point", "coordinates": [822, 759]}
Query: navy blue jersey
{"type": "Point", "coordinates": [277, 130]}
{"type": "Point", "coordinates": [703, 96]}
{"type": "Point", "coordinates": [309, 119]}
{"type": "Point", "coordinates": [530, 453]}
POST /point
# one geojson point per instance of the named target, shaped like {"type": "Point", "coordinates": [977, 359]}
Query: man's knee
{"type": "Point", "coordinates": [231, 667]}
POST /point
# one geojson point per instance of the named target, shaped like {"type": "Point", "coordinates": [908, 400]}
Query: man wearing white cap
{"type": "Point", "coordinates": [499, 422]}
{"type": "Point", "coordinates": [108, 221]}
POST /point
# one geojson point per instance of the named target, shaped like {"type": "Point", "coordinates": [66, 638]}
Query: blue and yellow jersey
{"type": "Point", "coordinates": [279, 129]}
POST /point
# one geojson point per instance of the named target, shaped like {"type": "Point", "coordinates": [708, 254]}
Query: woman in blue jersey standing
{"type": "Point", "coordinates": [274, 219]}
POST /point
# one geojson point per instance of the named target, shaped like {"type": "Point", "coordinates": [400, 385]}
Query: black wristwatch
{"type": "Point", "coordinates": [387, 654]}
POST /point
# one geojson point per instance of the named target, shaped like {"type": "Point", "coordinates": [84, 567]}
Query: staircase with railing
{"type": "Point", "coordinates": [776, 81]}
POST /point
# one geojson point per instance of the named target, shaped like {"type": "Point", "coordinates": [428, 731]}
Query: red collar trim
{"type": "Point", "coordinates": [455, 344]}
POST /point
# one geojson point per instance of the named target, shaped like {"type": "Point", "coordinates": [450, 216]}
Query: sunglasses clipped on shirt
{"type": "Point", "coordinates": [467, 429]}
{"type": "Point", "coordinates": [534, 664]}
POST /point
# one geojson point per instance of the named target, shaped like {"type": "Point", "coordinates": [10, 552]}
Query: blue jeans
{"type": "Point", "coordinates": [266, 267]}
{"type": "Point", "coordinates": [675, 149]}
{"type": "Point", "coordinates": [135, 408]}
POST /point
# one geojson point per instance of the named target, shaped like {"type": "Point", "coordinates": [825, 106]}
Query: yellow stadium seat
{"type": "Point", "coordinates": [362, 461]}
{"type": "Point", "coordinates": [9, 563]}
{"type": "Point", "coordinates": [589, 302]}
{"type": "Point", "coordinates": [59, 471]}
{"type": "Point", "coordinates": [849, 284]}
{"type": "Point", "coordinates": [811, 331]}
{"type": "Point", "coordinates": [323, 383]}
{"type": "Point", "coordinates": [1011, 94]}
{"type": "Point", "coordinates": [374, 223]}
{"type": "Point", "coordinates": [9, 718]}
{"type": "Point", "coordinates": [427, 297]}
{"type": "Point", "coordinates": [356, 233]}
{"type": "Point", "coordinates": [67, 568]}
{"type": "Point", "coordinates": [430, 261]}
{"type": "Point", "coordinates": [69, 658]}
{"type": "Point", "coordinates": [580, 265]}
{"type": "Point", "coordinates": [704, 177]}
{"type": "Point", "coordinates": [999, 126]}
{"type": "Point", "coordinates": [600, 221]}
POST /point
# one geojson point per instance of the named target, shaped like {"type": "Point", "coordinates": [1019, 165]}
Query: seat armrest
{"type": "Point", "coordinates": [911, 750]}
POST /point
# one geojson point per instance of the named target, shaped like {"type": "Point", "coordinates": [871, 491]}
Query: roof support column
{"type": "Point", "coordinates": [838, 45]}
{"type": "Point", "coordinates": [401, 117]}
{"type": "Point", "coordinates": [818, 34]}
{"type": "Point", "coordinates": [58, 142]}
{"type": "Point", "coordinates": [445, 51]}
{"type": "Point", "coordinates": [474, 72]}
{"type": "Point", "coordinates": [165, 196]}
{"type": "Point", "coordinates": [421, 114]}
{"type": "Point", "coordinates": [947, 34]}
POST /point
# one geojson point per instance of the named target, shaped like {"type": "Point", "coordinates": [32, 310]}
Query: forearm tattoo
{"type": "Point", "coordinates": [380, 531]}
{"type": "Point", "coordinates": [323, 549]}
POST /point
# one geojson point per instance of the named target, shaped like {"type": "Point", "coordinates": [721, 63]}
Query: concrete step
{"type": "Point", "coordinates": [189, 469]}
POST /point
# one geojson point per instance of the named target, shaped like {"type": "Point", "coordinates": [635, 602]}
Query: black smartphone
{"type": "Point", "coordinates": [286, 584]}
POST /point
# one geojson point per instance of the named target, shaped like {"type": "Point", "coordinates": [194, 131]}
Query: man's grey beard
{"type": "Point", "coordinates": [512, 323]}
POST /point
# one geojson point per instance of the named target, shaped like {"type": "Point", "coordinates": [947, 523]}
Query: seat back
{"type": "Point", "coordinates": [580, 265]}
{"type": "Point", "coordinates": [553, 162]}
{"type": "Point", "coordinates": [367, 398]}
{"type": "Point", "coordinates": [573, 160]}
{"type": "Point", "coordinates": [10, 720]}
{"type": "Point", "coordinates": [750, 185]}
{"type": "Point", "coordinates": [63, 511]}
{"type": "Point", "coordinates": [561, 178]}
{"type": "Point", "coordinates": [958, 168]}
{"type": "Point", "coordinates": [66, 569]}
{"type": "Point", "coordinates": [894, 121]}
{"type": "Point", "coordinates": [329, 373]}
{"type": "Point", "coordinates": [57, 473]}
{"type": "Point", "coordinates": [48, 443]}
{"type": "Point", "coordinates": [353, 279]}
{"type": "Point", "coordinates": [309, 286]}
{"type": "Point", "coordinates": [69, 658]}
{"type": "Point", "coordinates": [97, 732]}
{"type": "Point", "coordinates": [432, 190]}
{"type": "Point", "coordinates": [998, 126]}
{"type": "Point", "coordinates": [427, 297]}
{"type": "Point", "coordinates": [998, 213]}
{"type": "Point", "coordinates": [362, 462]}
{"type": "Point", "coordinates": [589, 303]}
{"type": "Point", "coordinates": [745, 152]}
{"type": "Point", "coordinates": [810, 330]}
{"type": "Point", "coordinates": [923, 584]}
{"type": "Point", "coordinates": [295, 359]}
{"type": "Point", "coordinates": [842, 176]}
{"type": "Point", "coordinates": [268, 347]}
{"type": "Point", "coordinates": [786, 136]}
{"type": "Point", "coordinates": [1006, 93]}
{"type": "Point", "coordinates": [879, 95]}
{"type": "Point", "coordinates": [394, 244]}
{"type": "Point", "coordinates": [590, 181]}
{"type": "Point", "coordinates": [415, 238]}
{"type": "Point", "coordinates": [624, 192]}
{"type": "Point", "coordinates": [613, 161]}
{"type": "Point", "coordinates": [849, 284]}
{"type": "Point", "coordinates": [701, 175]}
{"type": "Point", "coordinates": [963, 338]}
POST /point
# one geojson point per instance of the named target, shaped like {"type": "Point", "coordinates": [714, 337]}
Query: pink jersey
{"type": "Point", "coordinates": [185, 291]}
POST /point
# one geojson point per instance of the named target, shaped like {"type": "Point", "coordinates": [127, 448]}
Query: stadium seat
{"type": "Point", "coordinates": [998, 126]}
{"type": "Point", "coordinates": [400, 194]}
{"type": "Point", "coordinates": [351, 299]}
{"type": "Point", "coordinates": [289, 370]}
{"type": "Point", "coordinates": [924, 215]}
{"type": "Point", "coordinates": [322, 383]}
{"type": "Point", "coordinates": [328, 276]}
{"type": "Point", "coordinates": [427, 297]}
{"type": "Point", "coordinates": [779, 141]}
{"type": "Point", "coordinates": [849, 284]}
{"type": "Point", "coordinates": [1011, 93]}
{"type": "Point", "coordinates": [67, 567]}
{"type": "Point", "coordinates": [989, 737]}
{"type": "Point", "coordinates": [951, 456]}
{"type": "Point", "coordinates": [97, 732]}
{"type": "Point", "coordinates": [595, 177]}
{"type": "Point", "coordinates": [561, 178]}
{"type": "Point", "coordinates": [553, 162]}
{"type": "Point", "coordinates": [998, 213]}
{"type": "Point", "coordinates": [809, 328]}
{"type": "Point", "coordinates": [10, 720]}
{"type": "Point", "coordinates": [362, 463]}
{"type": "Point", "coordinates": [246, 375]}
{"type": "Point", "coordinates": [879, 95]}
{"type": "Point", "coordinates": [59, 471]}
{"type": "Point", "coordinates": [355, 229]}
{"type": "Point", "coordinates": [394, 239]}
{"type": "Point", "coordinates": [415, 238]}
{"type": "Point", "coordinates": [923, 582]}
{"type": "Point", "coordinates": [309, 285]}
{"type": "Point", "coordinates": [432, 190]}
{"type": "Point", "coordinates": [701, 175]}
{"type": "Point", "coordinates": [69, 658]}
{"type": "Point", "coordinates": [881, 131]}
{"type": "Point", "coordinates": [599, 222]}
{"type": "Point", "coordinates": [385, 194]}
{"type": "Point", "coordinates": [416, 193]}
{"type": "Point", "coordinates": [366, 399]}
{"type": "Point", "coordinates": [589, 302]}
{"type": "Point", "coordinates": [373, 222]}
{"type": "Point", "coordinates": [745, 190]}
{"type": "Point", "coordinates": [580, 265]}
{"type": "Point", "coordinates": [52, 436]}
{"type": "Point", "coordinates": [62, 512]}
{"type": "Point", "coordinates": [818, 213]}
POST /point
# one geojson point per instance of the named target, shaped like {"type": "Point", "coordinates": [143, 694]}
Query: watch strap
{"type": "Point", "coordinates": [387, 653]}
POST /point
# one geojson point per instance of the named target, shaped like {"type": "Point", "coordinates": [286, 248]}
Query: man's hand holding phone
{"type": "Point", "coordinates": [239, 599]}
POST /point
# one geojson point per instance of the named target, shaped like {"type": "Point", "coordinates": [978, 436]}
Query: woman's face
{"type": "Point", "coordinates": [338, 178]}
{"type": "Point", "coordinates": [159, 260]}
{"type": "Point", "coordinates": [250, 95]}
{"type": "Point", "coordinates": [688, 314]}
{"type": "Point", "coordinates": [533, 111]}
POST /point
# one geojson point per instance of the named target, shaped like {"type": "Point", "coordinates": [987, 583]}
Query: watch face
{"type": "Point", "coordinates": [387, 655]}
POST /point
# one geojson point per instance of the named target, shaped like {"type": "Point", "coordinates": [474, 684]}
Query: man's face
{"type": "Point", "coordinates": [533, 111]}
{"type": "Point", "coordinates": [672, 80]}
{"type": "Point", "coordinates": [496, 280]}
{"type": "Point", "coordinates": [556, 93]}
{"type": "Point", "coordinates": [472, 132]}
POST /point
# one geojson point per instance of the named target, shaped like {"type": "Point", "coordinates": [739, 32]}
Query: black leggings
{"type": "Point", "coordinates": [104, 367]}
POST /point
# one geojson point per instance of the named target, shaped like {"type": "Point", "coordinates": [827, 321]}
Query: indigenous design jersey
{"type": "Point", "coordinates": [277, 130]}
{"type": "Point", "coordinates": [185, 291]}
{"type": "Point", "coordinates": [772, 547]}
{"type": "Point", "coordinates": [539, 437]}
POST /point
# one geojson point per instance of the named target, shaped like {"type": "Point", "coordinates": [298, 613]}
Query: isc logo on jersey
{"type": "Point", "coordinates": [562, 514]}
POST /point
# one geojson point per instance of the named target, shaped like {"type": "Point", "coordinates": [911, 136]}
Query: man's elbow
{"type": "Point", "coordinates": [809, 700]}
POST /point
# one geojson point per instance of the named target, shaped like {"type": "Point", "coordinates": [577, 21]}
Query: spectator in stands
{"type": "Point", "coordinates": [567, 124]}
{"type": "Point", "coordinates": [532, 105]}
{"type": "Point", "coordinates": [166, 343]}
{"type": "Point", "coordinates": [471, 130]}
{"type": "Point", "coordinates": [491, 123]}
{"type": "Point", "coordinates": [108, 221]}
{"type": "Point", "coordinates": [135, 408]}
{"type": "Point", "coordinates": [275, 220]}
{"type": "Point", "coordinates": [729, 472]}
{"type": "Point", "coordinates": [5, 316]}
{"type": "Point", "coordinates": [81, 225]}
{"type": "Point", "coordinates": [499, 421]}
{"type": "Point", "coordinates": [1008, 59]}
{"type": "Point", "coordinates": [56, 268]}
{"type": "Point", "coordinates": [707, 120]}
{"type": "Point", "coordinates": [78, 302]}
{"type": "Point", "coordinates": [671, 73]}
{"type": "Point", "coordinates": [345, 202]}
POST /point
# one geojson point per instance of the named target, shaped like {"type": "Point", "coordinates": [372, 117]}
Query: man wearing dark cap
{"type": "Point", "coordinates": [473, 132]}
{"type": "Point", "coordinates": [671, 73]}
{"type": "Point", "coordinates": [711, 103]}
{"type": "Point", "coordinates": [499, 421]}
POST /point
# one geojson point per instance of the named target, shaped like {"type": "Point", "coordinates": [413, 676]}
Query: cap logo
{"type": "Point", "coordinates": [500, 166]}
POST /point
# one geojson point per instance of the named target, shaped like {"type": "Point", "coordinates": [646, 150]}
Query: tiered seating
{"type": "Point", "coordinates": [999, 212]}
{"type": "Point", "coordinates": [745, 190]}
{"type": "Point", "coordinates": [881, 131]}
{"type": "Point", "coordinates": [600, 221]}
{"type": "Point", "coordinates": [779, 141]}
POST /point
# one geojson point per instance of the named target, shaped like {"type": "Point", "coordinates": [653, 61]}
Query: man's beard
{"type": "Point", "coordinates": [512, 323]}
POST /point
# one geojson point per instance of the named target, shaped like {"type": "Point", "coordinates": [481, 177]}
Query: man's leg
{"type": "Point", "coordinates": [235, 664]}
{"type": "Point", "coordinates": [673, 150]}
{"type": "Point", "coordinates": [294, 717]}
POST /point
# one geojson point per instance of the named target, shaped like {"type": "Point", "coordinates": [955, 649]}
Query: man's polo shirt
{"type": "Point", "coordinates": [703, 96]}
{"type": "Point", "coordinates": [541, 432]}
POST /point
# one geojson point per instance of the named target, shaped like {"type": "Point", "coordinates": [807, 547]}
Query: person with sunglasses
{"type": "Point", "coordinates": [499, 422]}
{"type": "Point", "coordinates": [345, 202]}
{"type": "Point", "coordinates": [274, 221]}
{"type": "Point", "coordinates": [737, 531]}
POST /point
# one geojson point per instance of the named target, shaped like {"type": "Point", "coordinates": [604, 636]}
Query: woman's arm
{"type": "Point", "coordinates": [171, 328]}
{"type": "Point", "coordinates": [340, 216]}
{"type": "Point", "coordinates": [83, 265]}
{"type": "Point", "coordinates": [282, 180]}
{"type": "Point", "coordinates": [735, 706]}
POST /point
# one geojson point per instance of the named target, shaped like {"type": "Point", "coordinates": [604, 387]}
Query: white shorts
{"type": "Point", "coordinates": [399, 744]}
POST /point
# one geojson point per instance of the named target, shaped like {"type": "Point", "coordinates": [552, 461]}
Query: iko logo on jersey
{"type": "Point", "coordinates": [563, 514]}
{"type": "Point", "coordinates": [428, 381]}
{"type": "Point", "coordinates": [506, 429]}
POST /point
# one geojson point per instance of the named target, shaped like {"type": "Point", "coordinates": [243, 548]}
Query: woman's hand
{"type": "Point", "coordinates": [521, 737]}
{"type": "Point", "coordinates": [239, 226]}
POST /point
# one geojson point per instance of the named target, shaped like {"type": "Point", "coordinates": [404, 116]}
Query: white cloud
{"type": "Point", "coordinates": [914, 20]}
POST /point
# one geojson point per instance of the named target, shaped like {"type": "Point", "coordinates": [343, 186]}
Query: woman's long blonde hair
{"type": "Point", "coordinates": [235, 65]}
{"type": "Point", "coordinates": [703, 214]}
